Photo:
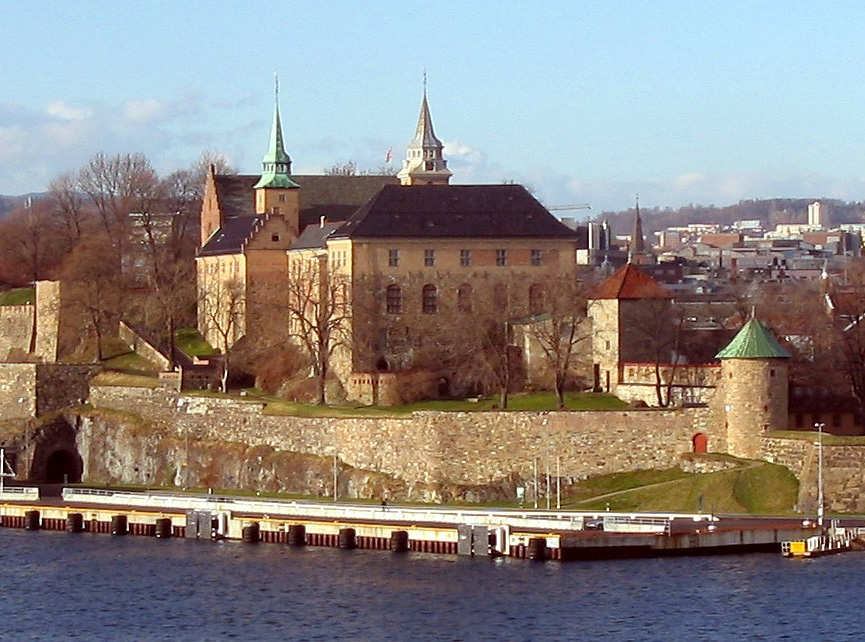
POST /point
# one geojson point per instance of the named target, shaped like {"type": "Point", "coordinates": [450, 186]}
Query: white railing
{"type": "Point", "coordinates": [19, 492]}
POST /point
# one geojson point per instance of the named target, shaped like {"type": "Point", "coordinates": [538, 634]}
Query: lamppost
{"type": "Point", "coordinates": [819, 426]}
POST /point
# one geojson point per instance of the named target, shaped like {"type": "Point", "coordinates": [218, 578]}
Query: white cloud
{"type": "Point", "coordinates": [63, 111]}
{"type": "Point", "coordinates": [144, 111]}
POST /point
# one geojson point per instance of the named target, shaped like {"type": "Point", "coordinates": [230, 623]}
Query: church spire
{"type": "Point", "coordinates": [637, 253]}
{"type": "Point", "coordinates": [276, 164]}
{"type": "Point", "coordinates": [424, 163]}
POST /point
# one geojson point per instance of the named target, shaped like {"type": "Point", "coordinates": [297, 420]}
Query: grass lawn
{"type": "Point", "coordinates": [192, 343]}
{"type": "Point", "coordinates": [754, 489]}
{"type": "Point", "coordinates": [131, 363]}
{"type": "Point", "coordinates": [18, 296]}
{"type": "Point", "coordinates": [113, 378]}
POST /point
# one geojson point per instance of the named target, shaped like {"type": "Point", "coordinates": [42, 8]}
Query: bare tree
{"type": "Point", "coordinates": [90, 273]}
{"type": "Point", "coordinates": [318, 311]}
{"type": "Point", "coordinates": [69, 206]}
{"type": "Point", "coordinates": [221, 306]}
{"type": "Point", "coordinates": [560, 327]}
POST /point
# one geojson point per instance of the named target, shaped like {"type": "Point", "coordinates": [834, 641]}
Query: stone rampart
{"type": "Point", "coordinates": [432, 447]}
{"type": "Point", "coordinates": [16, 330]}
{"type": "Point", "coordinates": [17, 390]}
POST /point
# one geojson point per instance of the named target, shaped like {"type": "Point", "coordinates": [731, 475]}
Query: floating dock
{"type": "Point", "coordinates": [527, 534]}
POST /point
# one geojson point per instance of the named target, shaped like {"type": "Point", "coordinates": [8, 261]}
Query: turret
{"type": "Point", "coordinates": [276, 192]}
{"type": "Point", "coordinates": [753, 388]}
{"type": "Point", "coordinates": [424, 164]}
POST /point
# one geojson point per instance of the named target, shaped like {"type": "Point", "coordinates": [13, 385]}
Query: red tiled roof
{"type": "Point", "coordinates": [630, 282]}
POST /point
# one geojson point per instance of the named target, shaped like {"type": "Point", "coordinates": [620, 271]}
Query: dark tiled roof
{"type": "Point", "coordinates": [334, 197]}
{"type": "Point", "coordinates": [630, 282]}
{"type": "Point", "coordinates": [231, 236]}
{"type": "Point", "coordinates": [235, 194]}
{"type": "Point", "coordinates": [455, 211]}
{"type": "Point", "coordinates": [313, 236]}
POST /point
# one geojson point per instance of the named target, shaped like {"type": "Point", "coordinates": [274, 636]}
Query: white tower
{"type": "Point", "coordinates": [815, 215]}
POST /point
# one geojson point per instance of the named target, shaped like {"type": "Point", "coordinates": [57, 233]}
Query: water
{"type": "Point", "coordinates": [95, 587]}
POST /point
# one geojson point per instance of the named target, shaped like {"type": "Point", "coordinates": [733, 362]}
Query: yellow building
{"type": "Point", "coordinates": [387, 299]}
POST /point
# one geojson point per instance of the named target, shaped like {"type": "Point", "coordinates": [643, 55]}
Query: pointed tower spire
{"type": "Point", "coordinates": [424, 163]}
{"type": "Point", "coordinates": [637, 252]}
{"type": "Point", "coordinates": [276, 164]}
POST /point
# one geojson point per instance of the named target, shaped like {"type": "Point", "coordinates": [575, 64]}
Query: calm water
{"type": "Point", "coordinates": [94, 587]}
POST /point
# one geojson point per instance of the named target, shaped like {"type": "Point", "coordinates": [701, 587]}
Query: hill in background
{"type": "Point", "coordinates": [769, 212]}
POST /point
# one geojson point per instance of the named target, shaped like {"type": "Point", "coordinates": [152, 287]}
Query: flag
{"type": "Point", "coordinates": [389, 156]}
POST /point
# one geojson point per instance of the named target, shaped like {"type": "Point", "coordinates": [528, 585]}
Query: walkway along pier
{"type": "Point", "coordinates": [532, 534]}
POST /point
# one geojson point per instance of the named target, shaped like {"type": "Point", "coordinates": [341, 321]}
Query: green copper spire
{"type": "Point", "coordinates": [753, 341]}
{"type": "Point", "coordinates": [276, 164]}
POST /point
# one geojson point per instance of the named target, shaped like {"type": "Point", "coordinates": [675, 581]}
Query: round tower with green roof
{"type": "Point", "coordinates": [753, 390]}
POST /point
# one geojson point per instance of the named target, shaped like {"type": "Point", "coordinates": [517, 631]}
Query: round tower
{"type": "Point", "coordinates": [754, 390]}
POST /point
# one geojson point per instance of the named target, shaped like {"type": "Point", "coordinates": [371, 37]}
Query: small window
{"type": "Point", "coordinates": [429, 258]}
{"type": "Point", "coordinates": [282, 198]}
{"type": "Point", "coordinates": [274, 237]}
{"type": "Point", "coordinates": [465, 258]}
{"type": "Point", "coordinates": [430, 166]}
{"type": "Point", "coordinates": [772, 372]}
{"type": "Point", "coordinates": [430, 299]}
{"type": "Point", "coordinates": [500, 296]}
{"type": "Point", "coordinates": [501, 257]}
{"type": "Point", "coordinates": [393, 299]}
{"type": "Point", "coordinates": [537, 256]}
{"type": "Point", "coordinates": [536, 298]}
{"type": "Point", "coordinates": [608, 344]}
{"type": "Point", "coordinates": [464, 298]}
{"type": "Point", "coordinates": [393, 258]}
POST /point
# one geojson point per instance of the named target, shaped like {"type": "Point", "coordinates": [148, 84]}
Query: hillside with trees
{"type": "Point", "coordinates": [770, 212]}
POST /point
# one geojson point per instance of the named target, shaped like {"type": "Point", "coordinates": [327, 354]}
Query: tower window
{"type": "Point", "coordinates": [465, 258]}
{"type": "Point", "coordinates": [464, 298]}
{"type": "Point", "coordinates": [274, 237]}
{"type": "Point", "coordinates": [537, 255]}
{"type": "Point", "coordinates": [501, 257]}
{"type": "Point", "coordinates": [393, 299]}
{"type": "Point", "coordinates": [393, 258]}
{"type": "Point", "coordinates": [282, 198]}
{"type": "Point", "coordinates": [429, 258]}
{"type": "Point", "coordinates": [430, 299]}
{"type": "Point", "coordinates": [430, 166]}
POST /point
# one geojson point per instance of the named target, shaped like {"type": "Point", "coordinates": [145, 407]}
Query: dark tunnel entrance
{"type": "Point", "coordinates": [63, 467]}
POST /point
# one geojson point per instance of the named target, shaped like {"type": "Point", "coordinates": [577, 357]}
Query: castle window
{"type": "Point", "coordinates": [464, 298]}
{"type": "Point", "coordinates": [501, 257]}
{"type": "Point", "coordinates": [282, 198]}
{"type": "Point", "coordinates": [430, 299]}
{"type": "Point", "coordinates": [274, 237]}
{"type": "Point", "coordinates": [500, 296]}
{"type": "Point", "coordinates": [772, 372]}
{"type": "Point", "coordinates": [536, 257]}
{"type": "Point", "coordinates": [430, 166]}
{"type": "Point", "coordinates": [393, 258]}
{"type": "Point", "coordinates": [429, 258]}
{"type": "Point", "coordinates": [536, 298]}
{"type": "Point", "coordinates": [393, 299]}
{"type": "Point", "coordinates": [465, 258]}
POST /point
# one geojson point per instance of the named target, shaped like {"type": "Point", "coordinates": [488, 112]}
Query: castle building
{"type": "Point", "coordinates": [248, 223]}
{"type": "Point", "coordinates": [416, 264]}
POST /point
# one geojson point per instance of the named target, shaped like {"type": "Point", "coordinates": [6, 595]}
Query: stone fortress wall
{"type": "Point", "coordinates": [432, 447]}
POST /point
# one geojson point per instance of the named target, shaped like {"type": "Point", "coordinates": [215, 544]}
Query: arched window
{"type": "Point", "coordinates": [430, 299]}
{"type": "Point", "coordinates": [500, 297]}
{"type": "Point", "coordinates": [393, 299]}
{"type": "Point", "coordinates": [464, 298]}
{"type": "Point", "coordinates": [536, 298]}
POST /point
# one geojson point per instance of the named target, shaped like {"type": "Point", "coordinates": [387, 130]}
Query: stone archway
{"type": "Point", "coordinates": [63, 466]}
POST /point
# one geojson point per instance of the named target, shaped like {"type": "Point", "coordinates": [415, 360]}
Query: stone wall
{"type": "Point", "coordinates": [17, 390]}
{"type": "Point", "coordinates": [432, 447]}
{"type": "Point", "coordinates": [16, 329]}
{"type": "Point", "coordinates": [142, 347]}
{"type": "Point", "coordinates": [35, 389]}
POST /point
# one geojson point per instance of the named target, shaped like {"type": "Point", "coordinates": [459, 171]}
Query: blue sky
{"type": "Point", "coordinates": [703, 102]}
